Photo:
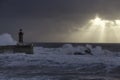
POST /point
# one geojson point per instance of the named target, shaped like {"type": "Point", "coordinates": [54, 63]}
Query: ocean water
{"type": "Point", "coordinates": [38, 73]}
{"type": "Point", "coordinates": [49, 63]}
{"type": "Point", "coordinates": [109, 46]}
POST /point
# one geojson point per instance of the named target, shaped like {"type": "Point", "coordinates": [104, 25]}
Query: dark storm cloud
{"type": "Point", "coordinates": [52, 19]}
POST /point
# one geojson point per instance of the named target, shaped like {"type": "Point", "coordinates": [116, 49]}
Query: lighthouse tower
{"type": "Point", "coordinates": [20, 37]}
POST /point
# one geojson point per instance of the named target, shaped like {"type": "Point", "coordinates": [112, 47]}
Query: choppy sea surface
{"type": "Point", "coordinates": [56, 64]}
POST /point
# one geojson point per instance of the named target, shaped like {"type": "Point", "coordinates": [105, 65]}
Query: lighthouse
{"type": "Point", "coordinates": [20, 37]}
{"type": "Point", "coordinates": [21, 47]}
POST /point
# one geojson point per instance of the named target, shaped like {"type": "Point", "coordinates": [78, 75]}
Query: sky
{"type": "Point", "coordinates": [56, 20]}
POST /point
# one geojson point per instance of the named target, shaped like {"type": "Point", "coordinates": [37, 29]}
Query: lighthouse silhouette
{"type": "Point", "coordinates": [20, 37]}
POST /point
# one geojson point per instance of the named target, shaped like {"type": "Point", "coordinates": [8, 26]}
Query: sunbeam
{"type": "Point", "coordinates": [98, 30]}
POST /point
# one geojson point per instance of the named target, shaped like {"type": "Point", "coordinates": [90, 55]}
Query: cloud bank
{"type": "Point", "coordinates": [53, 20]}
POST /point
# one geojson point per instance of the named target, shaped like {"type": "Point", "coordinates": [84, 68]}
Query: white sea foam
{"type": "Point", "coordinates": [6, 39]}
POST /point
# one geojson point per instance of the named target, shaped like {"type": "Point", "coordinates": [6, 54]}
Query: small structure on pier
{"type": "Point", "coordinates": [20, 37]}
{"type": "Point", "coordinates": [20, 47]}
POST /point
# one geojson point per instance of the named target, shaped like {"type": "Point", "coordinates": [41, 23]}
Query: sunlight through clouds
{"type": "Point", "coordinates": [99, 30]}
